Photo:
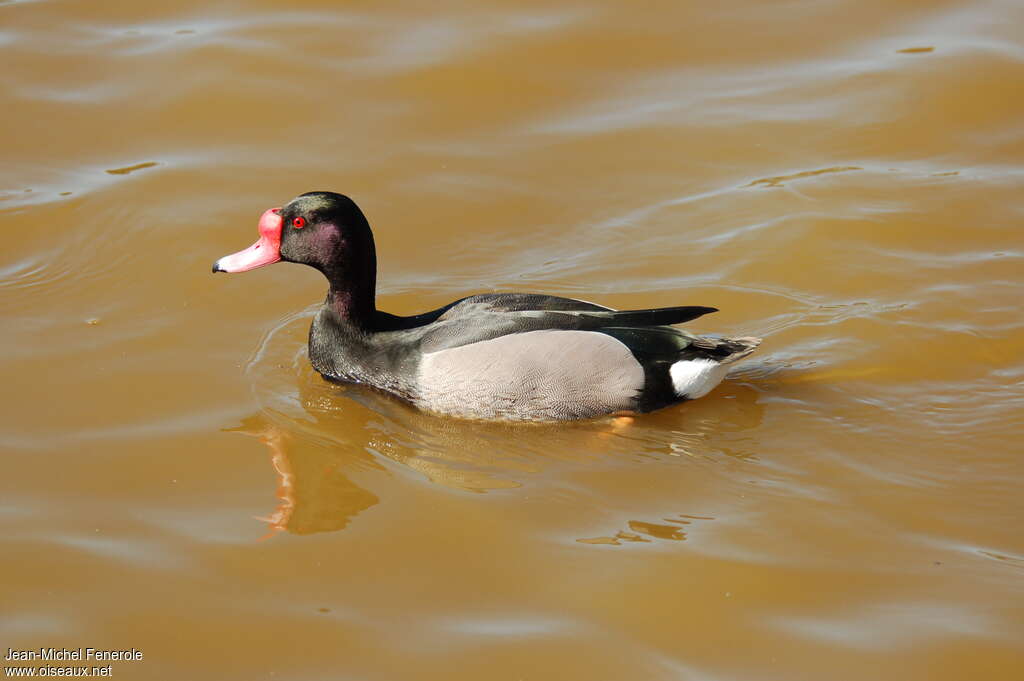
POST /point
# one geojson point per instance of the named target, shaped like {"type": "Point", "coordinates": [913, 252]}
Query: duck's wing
{"type": "Point", "coordinates": [571, 313]}
{"type": "Point", "coordinates": [587, 313]}
{"type": "Point", "coordinates": [520, 302]}
{"type": "Point", "coordinates": [484, 302]}
{"type": "Point", "coordinates": [481, 318]}
{"type": "Point", "coordinates": [656, 316]}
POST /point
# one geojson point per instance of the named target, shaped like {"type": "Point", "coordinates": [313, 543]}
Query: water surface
{"type": "Point", "coordinates": [842, 178]}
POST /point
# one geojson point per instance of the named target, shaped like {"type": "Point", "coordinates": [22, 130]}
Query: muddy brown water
{"type": "Point", "coordinates": [842, 178]}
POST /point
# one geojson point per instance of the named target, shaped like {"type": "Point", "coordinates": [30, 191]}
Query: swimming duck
{"type": "Point", "coordinates": [517, 356]}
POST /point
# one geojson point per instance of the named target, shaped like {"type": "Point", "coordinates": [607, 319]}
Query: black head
{"type": "Point", "coordinates": [326, 231]}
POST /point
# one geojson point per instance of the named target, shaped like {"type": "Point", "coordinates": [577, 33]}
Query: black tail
{"type": "Point", "coordinates": [721, 350]}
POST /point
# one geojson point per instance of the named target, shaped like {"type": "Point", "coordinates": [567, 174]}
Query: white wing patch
{"type": "Point", "coordinates": [693, 378]}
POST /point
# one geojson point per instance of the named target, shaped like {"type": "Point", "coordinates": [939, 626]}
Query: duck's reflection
{"type": "Point", "coordinates": [327, 440]}
{"type": "Point", "coordinates": [314, 494]}
{"type": "Point", "coordinates": [350, 431]}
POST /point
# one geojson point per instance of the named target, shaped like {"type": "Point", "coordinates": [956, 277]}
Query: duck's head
{"type": "Point", "coordinates": [324, 230]}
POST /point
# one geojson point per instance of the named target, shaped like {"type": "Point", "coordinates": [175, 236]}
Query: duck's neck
{"type": "Point", "coordinates": [354, 307]}
{"type": "Point", "coordinates": [351, 297]}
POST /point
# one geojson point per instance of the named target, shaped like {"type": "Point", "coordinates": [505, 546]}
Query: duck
{"type": "Point", "coordinates": [491, 356]}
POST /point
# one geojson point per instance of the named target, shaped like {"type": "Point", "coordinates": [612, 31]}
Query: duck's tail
{"type": "Point", "coordinates": [703, 364]}
{"type": "Point", "coordinates": [736, 348]}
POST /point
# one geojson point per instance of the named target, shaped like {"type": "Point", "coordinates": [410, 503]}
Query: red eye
{"type": "Point", "coordinates": [299, 223]}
